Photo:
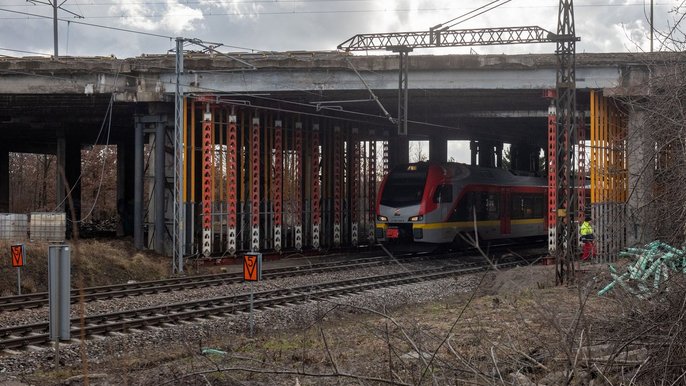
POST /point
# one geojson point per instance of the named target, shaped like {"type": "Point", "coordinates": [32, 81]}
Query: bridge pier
{"type": "Point", "coordinates": [4, 180]}
{"type": "Point", "coordinates": [486, 153]}
{"type": "Point", "coordinates": [525, 157]}
{"type": "Point", "coordinates": [438, 149]}
{"type": "Point", "coordinates": [68, 186]}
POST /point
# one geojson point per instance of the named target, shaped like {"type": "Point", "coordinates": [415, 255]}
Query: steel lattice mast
{"type": "Point", "coordinates": [565, 106]}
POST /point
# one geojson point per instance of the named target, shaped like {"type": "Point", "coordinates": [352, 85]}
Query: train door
{"type": "Point", "coordinates": [505, 211]}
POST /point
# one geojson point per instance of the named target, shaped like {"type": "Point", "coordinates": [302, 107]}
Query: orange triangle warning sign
{"type": "Point", "coordinates": [250, 267]}
{"type": "Point", "coordinates": [17, 255]}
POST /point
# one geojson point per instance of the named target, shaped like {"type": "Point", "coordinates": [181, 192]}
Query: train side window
{"type": "Point", "coordinates": [487, 207]}
{"type": "Point", "coordinates": [526, 206]}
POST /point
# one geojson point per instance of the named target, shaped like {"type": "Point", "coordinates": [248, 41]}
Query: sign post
{"type": "Point", "coordinates": [59, 295]}
{"type": "Point", "coordinates": [18, 259]}
{"type": "Point", "coordinates": [252, 271]}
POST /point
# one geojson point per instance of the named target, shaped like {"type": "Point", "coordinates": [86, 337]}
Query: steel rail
{"type": "Point", "coordinates": [37, 333]}
{"type": "Point", "coordinates": [39, 299]}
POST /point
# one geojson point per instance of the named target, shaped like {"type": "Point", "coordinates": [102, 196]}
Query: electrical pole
{"type": "Point", "coordinates": [55, 7]}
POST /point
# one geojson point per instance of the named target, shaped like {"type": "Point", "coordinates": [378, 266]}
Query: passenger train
{"type": "Point", "coordinates": [429, 204]}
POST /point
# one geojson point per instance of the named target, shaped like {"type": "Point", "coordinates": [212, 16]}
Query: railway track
{"type": "Point", "coordinates": [40, 299]}
{"type": "Point", "coordinates": [18, 337]}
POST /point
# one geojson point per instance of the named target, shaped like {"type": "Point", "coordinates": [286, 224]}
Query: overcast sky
{"type": "Point", "coordinates": [287, 25]}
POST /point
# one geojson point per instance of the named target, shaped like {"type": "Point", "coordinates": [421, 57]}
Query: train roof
{"type": "Point", "coordinates": [479, 174]}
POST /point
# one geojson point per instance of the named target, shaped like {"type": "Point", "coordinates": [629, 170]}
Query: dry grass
{"type": "Point", "coordinates": [94, 263]}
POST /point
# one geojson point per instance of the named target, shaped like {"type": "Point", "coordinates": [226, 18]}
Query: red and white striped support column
{"type": "Point", "coordinates": [372, 188]}
{"type": "Point", "coordinates": [385, 155]}
{"type": "Point", "coordinates": [316, 188]}
{"type": "Point", "coordinates": [207, 183]}
{"type": "Point", "coordinates": [232, 184]}
{"type": "Point", "coordinates": [354, 189]}
{"type": "Point", "coordinates": [277, 184]}
{"type": "Point", "coordinates": [552, 178]}
{"type": "Point", "coordinates": [337, 172]}
{"type": "Point", "coordinates": [255, 188]}
{"type": "Point", "coordinates": [298, 186]}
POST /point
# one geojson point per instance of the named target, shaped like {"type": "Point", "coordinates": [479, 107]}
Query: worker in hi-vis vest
{"type": "Point", "coordinates": [586, 230]}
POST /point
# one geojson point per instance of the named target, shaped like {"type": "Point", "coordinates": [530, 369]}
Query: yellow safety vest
{"type": "Point", "coordinates": [586, 229]}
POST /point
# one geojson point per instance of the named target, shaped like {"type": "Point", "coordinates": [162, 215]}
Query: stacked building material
{"type": "Point", "coordinates": [655, 262]}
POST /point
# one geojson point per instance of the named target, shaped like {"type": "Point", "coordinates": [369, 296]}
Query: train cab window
{"type": "Point", "coordinates": [444, 193]}
{"type": "Point", "coordinates": [403, 188]}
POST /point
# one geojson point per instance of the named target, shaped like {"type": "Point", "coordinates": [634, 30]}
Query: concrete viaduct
{"type": "Point", "coordinates": [59, 106]}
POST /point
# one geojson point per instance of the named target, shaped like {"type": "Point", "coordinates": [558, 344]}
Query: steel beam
{"type": "Point", "coordinates": [138, 150]}
{"type": "Point", "coordinates": [448, 38]}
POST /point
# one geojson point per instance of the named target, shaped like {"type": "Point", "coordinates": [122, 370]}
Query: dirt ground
{"type": "Point", "coordinates": [515, 327]}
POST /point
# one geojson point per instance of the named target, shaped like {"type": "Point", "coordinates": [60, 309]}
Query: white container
{"type": "Point", "coordinates": [49, 226]}
{"type": "Point", "coordinates": [14, 227]}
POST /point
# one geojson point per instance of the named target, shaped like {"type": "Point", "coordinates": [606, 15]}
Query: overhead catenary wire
{"type": "Point", "coordinates": [455, 20]}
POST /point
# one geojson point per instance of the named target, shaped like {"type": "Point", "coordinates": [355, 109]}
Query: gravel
{"type": "Point", "coordinates": [101, 349]}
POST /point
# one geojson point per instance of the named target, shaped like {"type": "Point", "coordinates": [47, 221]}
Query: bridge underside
{"type": "Point", "coordinates": [294, 187]}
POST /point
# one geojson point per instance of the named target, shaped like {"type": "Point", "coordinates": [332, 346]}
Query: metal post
{"type": "Point", "coordinates": [255, 188]}
{"type": "Point", "coordinates": [207, 182]}
{"type": "Point", "coordinates": [138, 186]}
{"type": "Point", "coordinates": [354, 180]}
{"type": "Point", "coordinates": [337, 177]}
{"type": "Point", "coordinates": [316, 188]}
{"type": "Point", "coordinates": [59, 295]}
{"type": "Point", "coordinates": [54, 26]}
{"type": "Point", "coordinates": [403, 74]}
{"type": "Point", "coordinates": [160, 181]}
{"type": "Point", "coordinates": [232, 182]}
{"type": "Point", "coordinates": [178, 238]}
{"type": "Point", "coordinates": [276, 187]}
{"type": "Point", "coordinates": [298, 185]}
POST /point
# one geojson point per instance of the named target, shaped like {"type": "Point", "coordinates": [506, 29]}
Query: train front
{"type": "Point", "coordinates": [404, 205]}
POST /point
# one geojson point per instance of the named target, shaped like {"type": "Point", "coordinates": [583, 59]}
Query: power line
{"type": "Point", "coordinates": [89, 24]}
{"type": "Point", "coordinates": [24, 51]}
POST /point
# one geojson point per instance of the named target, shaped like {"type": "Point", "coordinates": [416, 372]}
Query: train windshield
{"type": "Point", "coordinates": [404, 188]}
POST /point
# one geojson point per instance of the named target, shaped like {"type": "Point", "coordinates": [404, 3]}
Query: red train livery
{"type": "Point", "coordinates": [430, 203]}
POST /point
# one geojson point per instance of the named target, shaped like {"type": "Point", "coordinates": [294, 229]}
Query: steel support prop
{"type": "Point", "coordinates": [207, 183]}
{"type": "Point", "coordinates": [316, 188]}
{"type": "Point", "coordinates": [277, 184]}
{"type": "Point", "coordinates": [403, 78]}
{"type": "Point", "coordinates": [552, 179]}
{"type": "Point", "coordinates": [337, 174]}
{"type": "Point", "coordinates": [255, 186]}
{"type": "Point", "coordinates": [354, 188]}
{"type": "Point", "coordinates": [160, 182]}
{"type": "Point", "coordinates": [178, 233]}
{"type": "Point", "coordinates": [372, 189]}
{"type": "Point", "coordinates": [384, 158]}
{"type": "Point", "coordinates": [138, 172]}
{"type": "Point", "coordinates": [232, 184]}
{"type": "Point", "coordinates": [298, 185]}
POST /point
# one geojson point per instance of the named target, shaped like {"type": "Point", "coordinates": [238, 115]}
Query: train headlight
{"type": "Point", "coordinates": [381, 218]}
{"type": "Point", "coordinates": [416, 218]}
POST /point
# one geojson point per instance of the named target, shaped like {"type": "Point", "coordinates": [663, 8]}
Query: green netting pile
{"type": "Point", "coordinates": [655, 262]}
